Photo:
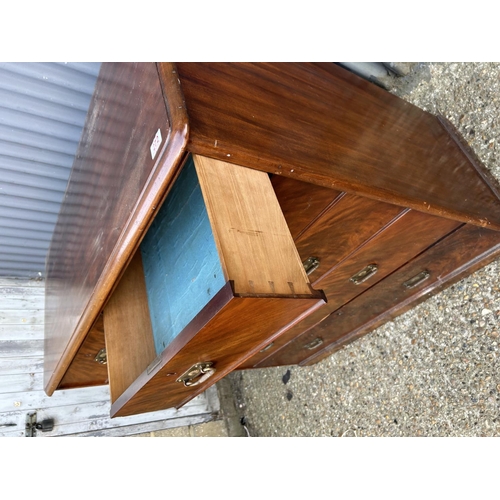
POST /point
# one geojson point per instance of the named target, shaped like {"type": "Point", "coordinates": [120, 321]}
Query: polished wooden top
{"type": "Point", "coordinates": [319, 123]}
{"type": "Point", "coordinates": [114, 189]}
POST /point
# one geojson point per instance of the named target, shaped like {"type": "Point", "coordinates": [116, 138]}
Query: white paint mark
{"type": "Point", "coordinates": [155, 144]}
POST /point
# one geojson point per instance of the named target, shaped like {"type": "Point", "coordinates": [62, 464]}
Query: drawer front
{"type": "Point", "coordinates": [217, 277]}
{"type": "Point", "coordinates": [458, 255]}
{"type": "Point", "coordinates": [225, 333]}
{"type": "Point", "coordinates": [338, 233]}
{"type": "Point", "coordinates": [300, 202]}
{"type": "Point", "coordinates": [341, 230]}
{"type": "Point", "coordinates": [408, 236]}
{"type": "Point", "coordinates": [88, 367]}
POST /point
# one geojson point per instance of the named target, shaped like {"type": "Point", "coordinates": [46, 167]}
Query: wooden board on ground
{"type": "Point", "coordinates": [76, 412]}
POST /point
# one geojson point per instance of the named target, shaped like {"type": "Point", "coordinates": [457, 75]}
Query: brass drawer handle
{"type": "Point", "coordinates": [315, 343]}
{"type": "Point", "coordinates": [311, 264]}
{"type": "Point", "coordinates": [267, 347]}
{"type": "Point", "coordinates": [201, 370]}
{"type": "Point", "coordinates": [364, 274]}
{"type": "Point", "coordinates": [416, 280]}
{"type": "Point", "coordinates": [101, 357]}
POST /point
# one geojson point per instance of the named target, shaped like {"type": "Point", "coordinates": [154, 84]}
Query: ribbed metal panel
{"type": "Point", "coordinates": [42, 112]}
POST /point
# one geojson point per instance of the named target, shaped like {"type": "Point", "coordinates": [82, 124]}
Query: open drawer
{"type": "Point", "coordinates": [217, 277]}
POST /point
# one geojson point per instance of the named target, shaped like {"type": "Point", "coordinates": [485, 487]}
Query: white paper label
{"type": "Point", "coordinates": [155, 144]}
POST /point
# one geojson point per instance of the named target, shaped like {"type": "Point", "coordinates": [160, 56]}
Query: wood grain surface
{"type": "Point", "coordinates": [322, 124]}
{"type": "Point", "coordinates": [226, 332]}
{"type": "Point", "coordinates": [464, 251]}
{"type": "Point", "coordinates": [84, 371]}
{"type": "Point", "coordinates": [302, 203]}
{"type": "Point", "coordinates": [408, 236]}
{"type": "Point", "coordinates": [342, 229]}
{"type": "Point", "coordinates": [114, 189]}
{"type": "Point", "coordinates": [337, 234]}
{"type": "Point", "coordinates": [130, 344]}
{"type": "Point", "coordinates": [311, 122]}
{"type": "Point", "coordinates": [255, 246]}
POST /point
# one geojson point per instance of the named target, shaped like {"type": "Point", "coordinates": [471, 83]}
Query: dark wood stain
{"type": "Point", "coordinates": [302, 203]}
{"type": "Point", "coordinates": [321, 124]}
{"type": "Point", "coordinates": [114, 189]}
{"type": "Point", "coordinates": [363, 153]}
{"type": "Point", "coordinates": [84, 371]}
{"type": "Point", "coordinates": [342, 229]}
{"type": "Point", "coordinates": [333, 237]}
{"type": "Point", "coordinates": [214, 336]}
{"type": "Point", "coordinates": [464, 251]}
{"type": "Point", "coordinates": [408, 236]}
{"type": "Point", "coordinates": [474, 160]}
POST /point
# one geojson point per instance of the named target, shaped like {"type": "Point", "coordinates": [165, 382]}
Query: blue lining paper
{"type": "Point", "coordinates": [182, 268]}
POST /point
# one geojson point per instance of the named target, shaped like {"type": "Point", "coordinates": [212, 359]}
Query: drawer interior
{"type": "Point", "coordinates": [218, 254]}
{"type": "Point", "coordinates": [182, 272]}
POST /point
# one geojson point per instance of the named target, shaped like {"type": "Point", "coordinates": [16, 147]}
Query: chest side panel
{"type": "Point", "coordinates": [114, 187]}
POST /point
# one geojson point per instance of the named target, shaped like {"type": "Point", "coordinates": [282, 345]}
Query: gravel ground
{"type": "Point", "coordinates": [434, 371]}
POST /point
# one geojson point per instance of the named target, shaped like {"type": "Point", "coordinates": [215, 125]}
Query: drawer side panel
{"type": "Point", "coordinates": [255, 245]}
{"type": "Point", "coordinates": [127, 326]}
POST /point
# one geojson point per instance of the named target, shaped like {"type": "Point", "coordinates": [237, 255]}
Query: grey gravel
{"type": "Point", "coordinates": [434, 371]}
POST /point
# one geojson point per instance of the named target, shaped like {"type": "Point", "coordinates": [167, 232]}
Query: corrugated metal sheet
{"type": "Point", "coordinates": [42, 112]}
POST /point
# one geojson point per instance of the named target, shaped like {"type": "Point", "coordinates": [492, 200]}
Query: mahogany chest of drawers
{"type": "Point", "coordinates": [232, 216]}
